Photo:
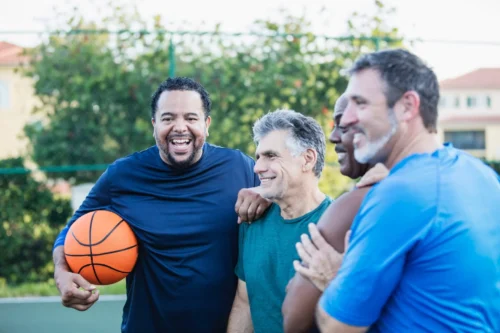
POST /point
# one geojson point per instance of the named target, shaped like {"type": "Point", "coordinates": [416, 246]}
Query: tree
{"type": "Point", "coordinates": [31, 218]}
{"type": "Point", "coordinates": [96, 102]}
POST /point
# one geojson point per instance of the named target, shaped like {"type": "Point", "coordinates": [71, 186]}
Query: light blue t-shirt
{"type": "Point", "coordinates": [424, 254]}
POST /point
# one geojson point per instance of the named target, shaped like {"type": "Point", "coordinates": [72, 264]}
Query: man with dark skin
{"type": "Point", "coordinates": [302, 295]}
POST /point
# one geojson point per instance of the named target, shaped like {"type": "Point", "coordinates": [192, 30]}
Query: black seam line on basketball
{"type": "Point", "coordinates": [103, 265]}
{"type": "Point", "coordinates": [102, 240]}
{"type": "Point", "coordinates": [90, 247]}
{"type": "Point", "coordinates": [100, 254]}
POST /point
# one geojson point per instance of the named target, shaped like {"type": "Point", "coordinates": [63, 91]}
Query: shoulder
{"type": "Point", "coordinates": [145, 154]}
{"type": "Point", "coordinates": [271, 214]}
{"type": "Point", "coordinates": [133, 160]}
{"type": "Point", "coordinates": [234, 154]}
{"type": "Point", "coordinates": [412, 181]}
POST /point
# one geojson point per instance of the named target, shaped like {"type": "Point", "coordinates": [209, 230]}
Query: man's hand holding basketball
{"type": "Point", "coordinates": [76, 292]}
{"type": "Point", "coordinates": [250, 204]}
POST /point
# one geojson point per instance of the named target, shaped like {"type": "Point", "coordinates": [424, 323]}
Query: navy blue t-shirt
{"type": "Point", "coordinates": [187, 231]}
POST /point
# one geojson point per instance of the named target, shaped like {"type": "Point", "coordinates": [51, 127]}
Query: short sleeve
{"type": "Point", "coordinates": [389, 223]}
{"type": "Point", "coordinates": [98, 198]}
{"type": "Point", "coordinates": [240, 272]}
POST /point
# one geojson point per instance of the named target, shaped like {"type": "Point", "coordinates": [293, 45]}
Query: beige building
{"type": "Point", "coordinates": [16, 101]}
{"type": "Point", "coordinates": [469, 112]}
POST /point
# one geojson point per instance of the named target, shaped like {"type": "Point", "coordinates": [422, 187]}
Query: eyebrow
{"type": "Point", "coordinates": [267, 153]}
{"type": "Point", "coordinates": [189, 114]}
{"type": "Point", "coordinates": [358, 98]}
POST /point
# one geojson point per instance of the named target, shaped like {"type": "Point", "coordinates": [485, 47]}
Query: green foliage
{"type": "Point", "coordinates": [30, 219]}
{"type": "Point", "coordinates": [495, 165]}
{"type": "Point", "coordinates": [95, 89]}
{"type": "Point", "coordinates": [49, 289]}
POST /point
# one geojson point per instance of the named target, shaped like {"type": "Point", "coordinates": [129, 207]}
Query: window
{"type": "Point", "coordinates": [466, 139]}
{"type": "Point", "coordinates": [442, 102]}
{"type": "Point", "coordinates": [488, 102]}
{"type": "Point", "coordinates": [471, 102]}
{"type": "Point", "coordinates": [4, 95]}
{"type": "Point", "coordinates": [457, 102]}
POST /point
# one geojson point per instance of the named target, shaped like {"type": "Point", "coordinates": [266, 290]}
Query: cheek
{"type": "Point", "coordinates": [197, 130]}
{"type": "Point", "coordinates": [347, 139]}
{"type": "Point", "coordinates": [162, 130]}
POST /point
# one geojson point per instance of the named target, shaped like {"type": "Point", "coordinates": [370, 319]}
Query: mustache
{"type": "Point", "coordinates": [357, 129]}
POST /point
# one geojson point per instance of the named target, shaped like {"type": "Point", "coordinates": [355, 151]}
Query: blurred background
{"type": "Point", "coordinates": [76, 80]}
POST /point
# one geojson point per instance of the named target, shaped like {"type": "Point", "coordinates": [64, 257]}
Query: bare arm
{"type": "Point", "coordinates": [302, 296]}
{"type": "Point", "coordinates": [76, 292]}
{"type": "Point", "coordinates": [332, 325]}
{"type": "Point", "coordinates": [240, 320]}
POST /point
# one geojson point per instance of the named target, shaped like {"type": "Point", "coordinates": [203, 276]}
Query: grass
{"type": "Point", "coordinates": [49, 289]}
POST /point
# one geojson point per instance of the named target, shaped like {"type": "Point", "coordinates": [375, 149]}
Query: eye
{"type": "Point", "coordinates": [343, 129]}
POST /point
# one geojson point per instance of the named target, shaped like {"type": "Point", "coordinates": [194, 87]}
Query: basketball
{"type": "Point", "coordinates": [101, 247]}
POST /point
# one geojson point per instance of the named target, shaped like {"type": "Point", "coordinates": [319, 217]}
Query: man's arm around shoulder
{"type": "Point", "coordinates": [302, 296]}
{"type": "Point", "coordinates": [240, 320]}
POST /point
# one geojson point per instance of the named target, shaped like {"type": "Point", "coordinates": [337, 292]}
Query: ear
{"type": "Point", "coordinates": [411, 105]}
{"type": "Point", "coordinates": [207, 124]}
{"type": "Point", "coordinates": [153, 122]}
{"type": "Point", "coordinates": [310, 158]}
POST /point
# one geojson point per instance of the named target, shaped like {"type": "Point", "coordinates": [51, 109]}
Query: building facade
{"type": "Point", "coordinates": [469, 112]}
{"type": "Point", "coordinates": [17, 101]}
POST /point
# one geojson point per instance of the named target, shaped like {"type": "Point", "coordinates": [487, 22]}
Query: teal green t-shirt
{"type": "Point", "coordinates": [266, 254]}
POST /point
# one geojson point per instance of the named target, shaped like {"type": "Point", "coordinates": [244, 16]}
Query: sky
{"type": "Point", "coordinates": [432, 21]}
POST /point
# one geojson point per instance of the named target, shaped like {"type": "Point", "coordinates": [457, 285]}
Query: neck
{"type": "Point", "coordinates": [420, 143]}
{"type": "Point", "coordinates": [301, 203]}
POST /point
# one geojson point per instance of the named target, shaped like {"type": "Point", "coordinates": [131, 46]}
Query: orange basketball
{"type": "Point", "coordinates": [101, 247]}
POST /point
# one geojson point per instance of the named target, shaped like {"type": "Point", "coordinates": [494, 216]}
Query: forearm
{"type": "Point", "coordinates": [299, 306]}
{"type": "Point", "coordinates": [240, 320]}
{"type": "Point", "coordinates": [59, 259]}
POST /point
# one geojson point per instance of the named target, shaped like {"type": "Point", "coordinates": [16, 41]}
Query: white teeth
{"type": "Point", "coordinates": [180, 141]}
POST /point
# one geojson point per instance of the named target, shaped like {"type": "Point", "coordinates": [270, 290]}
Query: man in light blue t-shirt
{"type": "Point", "coordinates": [424, 251]}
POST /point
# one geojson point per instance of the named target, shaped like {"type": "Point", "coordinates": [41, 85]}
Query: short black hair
{"type": "Point", "coordinates": [182, 84]}
{"type": "Point", "coordinates": [403, 71]}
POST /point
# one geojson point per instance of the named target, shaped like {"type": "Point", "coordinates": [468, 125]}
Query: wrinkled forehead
{"type": "Point", "coordinates": [274, 140]}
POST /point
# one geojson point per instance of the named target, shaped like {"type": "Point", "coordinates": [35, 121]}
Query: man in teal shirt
{"type": "Point", "coordinates": [290, 157]}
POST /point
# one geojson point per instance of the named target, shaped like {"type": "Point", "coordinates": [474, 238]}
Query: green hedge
{"type": "Point", "coordinates": [30, 218]}
{"type": "Point", "coordinates": [495, 165]}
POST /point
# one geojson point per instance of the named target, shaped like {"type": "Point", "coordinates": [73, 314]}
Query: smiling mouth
{"type": "Point", "coordinates": [264, 180]}
{"type": "Point", "coordinates": [179, 142]}
{"type": "Point", "coordinates": [340, 150]}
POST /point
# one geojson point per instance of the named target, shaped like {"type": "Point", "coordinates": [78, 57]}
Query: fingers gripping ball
{"type": "Point", "coordinates": [101, 247]}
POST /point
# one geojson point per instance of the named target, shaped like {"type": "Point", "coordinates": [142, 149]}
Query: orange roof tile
{"type": "Point", "coordinates": [482, 78]}
{"type": "Point", "coordinates": [11, 54]}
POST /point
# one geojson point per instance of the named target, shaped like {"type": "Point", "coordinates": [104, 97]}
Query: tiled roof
{"type": "Point", "coordinates": [483, 78]}
{"type": "Point", "coordinates": [11, 54]}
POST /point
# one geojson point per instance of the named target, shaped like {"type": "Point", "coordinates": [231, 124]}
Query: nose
{"type": "Point", "coordinates": [180, 125]}
{"type": "Point", "coordinates": [349, 117]}
{"type": "Point", "coordinates": [260, 166]}
{"type": "Point", "coordinates": [335, 135]}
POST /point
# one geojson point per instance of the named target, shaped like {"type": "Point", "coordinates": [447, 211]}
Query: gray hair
{"type": "Point", "coordinates": [304, 133]}
{"type": "Point", "coordinates": [403, 71]}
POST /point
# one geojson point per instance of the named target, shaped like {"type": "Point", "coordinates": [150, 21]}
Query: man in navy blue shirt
{"type": "Point", "coordinates": [179, 198]}
{"type": "Point", "coordinates": [424, 251]}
